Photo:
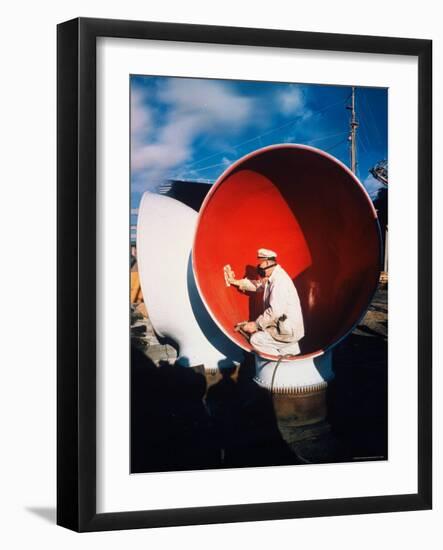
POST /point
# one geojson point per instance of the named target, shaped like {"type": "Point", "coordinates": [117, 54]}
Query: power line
{"type": "Point", "coordinates": [194, 170]}
{"type": "Point", "coordinates": [210, 166]}
{"type": "Point", "coordinates": [327, 137]}
{"type": "Point", "coordinates": [335, 145]}
{"type": "Point", "coordinates": [272, 130]}
{"type": "Point", "coordinates": [365, 129]}
{"type": "Point", "coordinates": [361, 143]}
{"type": "Point", "coordinates": [374, 121]}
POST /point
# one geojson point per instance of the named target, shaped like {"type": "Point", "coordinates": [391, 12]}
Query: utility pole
{"type": "Point", "coordinates": [353, 133]}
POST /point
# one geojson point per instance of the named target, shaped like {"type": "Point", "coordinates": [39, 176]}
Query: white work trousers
{"type": "Point", "coordinates": [263, 342]}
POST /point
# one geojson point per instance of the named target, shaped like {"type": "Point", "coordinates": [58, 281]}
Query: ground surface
{"type": "Point", "coordinates": [182, 420]}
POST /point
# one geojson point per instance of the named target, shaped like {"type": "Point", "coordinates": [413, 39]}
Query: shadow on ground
{"type": "Point", "coordinates": [178, 423]}
{"type": "Point", "coordinates": [174, 428]}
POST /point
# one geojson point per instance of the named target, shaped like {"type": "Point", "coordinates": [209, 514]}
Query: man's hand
{"type": "Point", "coordinates": [250, 327]}
{"type": "Point", "coordinates": [229, 275]}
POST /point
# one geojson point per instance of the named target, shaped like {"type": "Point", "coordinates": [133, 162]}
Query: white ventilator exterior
{"type": "Point", "coordinates": [165, 232]}
{"type": "Point", "coordinates": [294, 377]}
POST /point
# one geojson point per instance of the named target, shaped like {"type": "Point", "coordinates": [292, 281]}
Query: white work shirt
{"type": "Point", "coordinates": [280, 297]}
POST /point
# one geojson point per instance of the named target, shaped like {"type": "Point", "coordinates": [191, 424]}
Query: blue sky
{"type": "Point", "coordinates": [183, 128]}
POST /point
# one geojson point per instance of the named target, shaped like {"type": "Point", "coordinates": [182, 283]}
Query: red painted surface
{"type": "Point", "coordinates": [313, 212]}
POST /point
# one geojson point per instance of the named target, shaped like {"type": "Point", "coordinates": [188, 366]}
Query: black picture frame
{"type": "Point", "coordinates": [76, 295]}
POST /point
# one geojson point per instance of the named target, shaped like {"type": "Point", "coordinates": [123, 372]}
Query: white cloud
{"type": "Point", "coordinates": [372, 185]}
{"type": "Point", "coordinates": [141, 116]}
{"type": "Point", "coordinates": [210, 100]}
{"type": "Point", "coordinates": [292, 101]}
{"type": "Point", "coordinates": [194, 107]}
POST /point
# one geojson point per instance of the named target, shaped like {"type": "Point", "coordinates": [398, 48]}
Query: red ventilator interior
{"type": "Point", "coordinates": [310, 209]}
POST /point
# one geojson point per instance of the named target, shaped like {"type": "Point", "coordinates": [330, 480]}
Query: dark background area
{"type": "Point", "coordinates": [179, 423]}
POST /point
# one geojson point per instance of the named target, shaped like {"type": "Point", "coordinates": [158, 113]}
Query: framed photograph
{"type": "Point", "coordinates": [244, 274]}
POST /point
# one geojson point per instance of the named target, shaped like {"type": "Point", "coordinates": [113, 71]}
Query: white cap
{"type": "Point", "coordinates": [266, 254]}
